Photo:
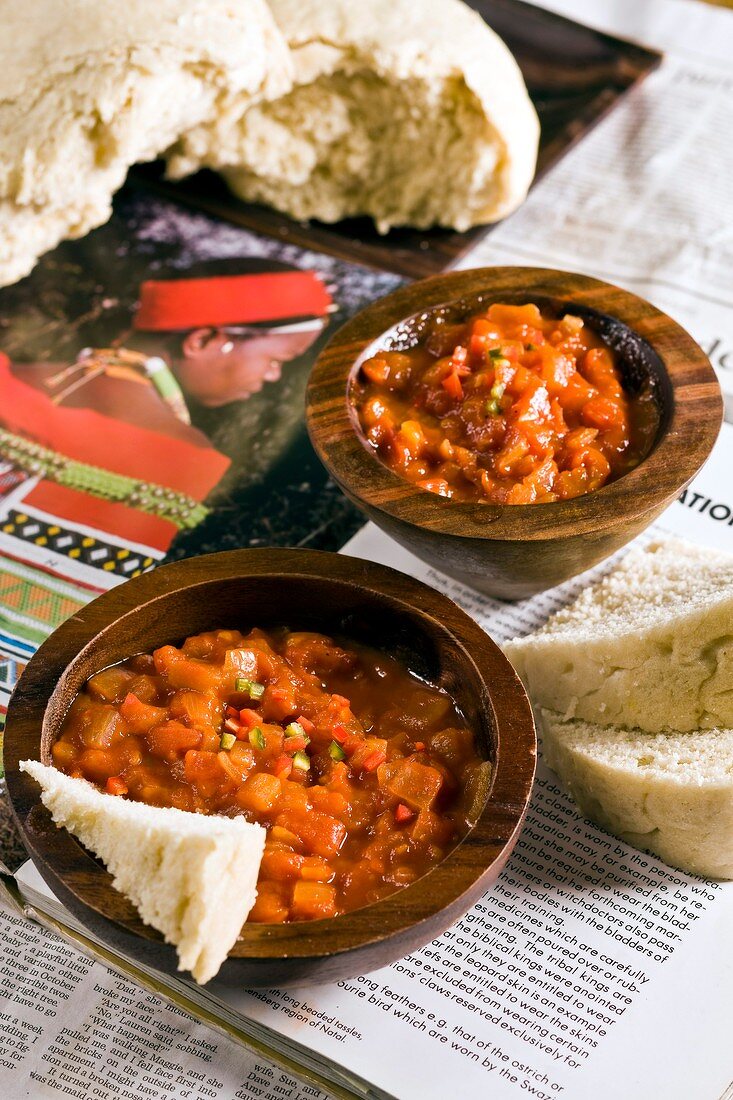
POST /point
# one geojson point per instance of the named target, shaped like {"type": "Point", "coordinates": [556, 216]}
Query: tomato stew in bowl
{"type": "Point", "coordinates": [559, 417]}
{"type": "Point", "coordinates": [449, 676]}
{"type": "Point", "coordinates": [364, 775]}
{"type": "Point", "coordinates": [510, 405]}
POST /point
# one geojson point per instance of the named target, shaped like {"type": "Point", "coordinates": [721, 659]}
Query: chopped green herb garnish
{"type": "Point", "coordinates": [294, 729]}
{"type": "Point", "coordinates": [227, 741]}
{"type": "Point", "coordinates": [530, 347]}
{"type": "Point", "coordinates": [336, 752]}
{"type": "Point", "coordinates": [301, 761]}
{"type": "Point", "coordinates": [249, 687]}
{"type": "Point", "coordinates": [492, 407]}
{"type": "Point", "coordinates": [496, 353]}
{"type": "Point", "coordinates": [497, 391]}
{"type": "Point", "coordinates": [257, 738]}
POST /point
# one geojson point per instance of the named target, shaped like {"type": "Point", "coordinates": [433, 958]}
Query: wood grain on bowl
{"type": "Point", "coordinates": [307, 590]}
{"type": "Point", "coordinates": [513, 551]}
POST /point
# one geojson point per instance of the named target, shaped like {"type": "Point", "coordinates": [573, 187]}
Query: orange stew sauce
{"type": "Point", "coordinates": [512, 406]}
{"type": "Point", "coordinates": [364, 775]}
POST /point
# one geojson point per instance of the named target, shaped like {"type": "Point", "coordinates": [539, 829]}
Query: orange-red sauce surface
{"type": "Point", "coordinates": [364, 776]}
{"type": "Point", "coordinates": [512, 406]}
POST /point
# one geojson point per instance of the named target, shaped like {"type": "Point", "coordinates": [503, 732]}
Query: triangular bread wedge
{"type": "Point", "coordinates": [191, 876]}
{"type": "Point", "coordinates": [671, 794]}
{"type": "Point", "coordinates": [648, 647]}
{"type": "Point", "coordinates": [410, 113]}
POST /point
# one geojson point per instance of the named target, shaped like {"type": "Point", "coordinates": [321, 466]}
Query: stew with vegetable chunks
{"type": "Point", "coordinates": [512, 406]}
{"type": "Point", "coordinates": [364, 775]}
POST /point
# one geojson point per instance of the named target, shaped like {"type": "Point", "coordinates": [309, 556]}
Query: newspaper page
{"type": "Point", "coordinates": [589, 966]}
{"type": "Point", "coordinates": [645, 200]}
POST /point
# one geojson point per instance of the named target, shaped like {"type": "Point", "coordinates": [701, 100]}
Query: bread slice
{"type": "Point", "coordinates": [670, 794]}
{"type": "Point", "coordinates": [411, 113]}
{"type": "Point", "coordinates": [191, 876]}
{"type": "Point", "coordinates": [88, 89]}
{"type": "Point", "coordinates": [649, 647]}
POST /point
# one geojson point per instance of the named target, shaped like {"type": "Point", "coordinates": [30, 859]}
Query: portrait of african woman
{"type": "Point", "coordinates": [148, 404]}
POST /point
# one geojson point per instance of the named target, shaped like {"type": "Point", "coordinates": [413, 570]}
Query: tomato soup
{"type": "Point", "coordinates": [511, 406]}
{"type": "Point", "coordinates": [364, 775]}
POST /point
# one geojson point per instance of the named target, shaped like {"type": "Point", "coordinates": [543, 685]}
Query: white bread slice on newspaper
{"type": "Point", "coordinates": [648, 647]}
{"type": "Point", "coordinates": [88, 89]}
{"type": "Point", "coordinates": [671, 794]}
{"type": "Point", "coordinates": [191, 876]}
{"type": "Point", "coordinates": [411, 113]}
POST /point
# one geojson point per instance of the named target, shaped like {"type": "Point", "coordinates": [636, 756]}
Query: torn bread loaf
{"type": "Point", "coordinates": [191, 876]}
{"type": "Point", "coordinates": [88, 89]}
{"type": "Point", "coordinates": [413, 114]}
{"type": "Point", "coordinates": [671, 794]}
{"type": "Point", "coordinates": [648, 647]}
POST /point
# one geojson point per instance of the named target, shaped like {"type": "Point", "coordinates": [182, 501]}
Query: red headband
{"type": "Point", "coordinates": [180, 304]}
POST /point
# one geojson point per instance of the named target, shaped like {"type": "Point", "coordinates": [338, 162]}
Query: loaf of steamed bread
{"type": "Point", "coordinates": [411, 113]}
{"type": "Point", "coordinates": [88, 89]}
{"type": "Point", "coordinates": [670, 794]}
{"type": "Point", "coordinates": [191, 876]}
{"type": "Point", "coordinates": [649, 647]}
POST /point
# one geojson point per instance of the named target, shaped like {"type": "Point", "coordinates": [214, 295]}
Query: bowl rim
{"type": "Point", "coordinates": [451, 886]}
{"type": "Point", "coordinates": [686, 436]}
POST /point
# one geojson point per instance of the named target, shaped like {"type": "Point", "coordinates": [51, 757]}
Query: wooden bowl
{"type": "Point", "coordinates": [304, 590]}
{"type": "Point", "coordinates": [513, 551]}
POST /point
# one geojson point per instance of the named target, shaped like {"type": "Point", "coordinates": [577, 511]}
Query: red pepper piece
{"type": "Point", "coordinates": [403, 813]}
{"type": "Point", "coordinates": [340, 734]}
{"type": "Point", "coordinates": [306, 723]}
{"type": "Point", "coordinates": [249, 718]}
{"type": "Point", "coordinates": [452, 386]}
{"type": "Point", "coordinates": [374, 759]}
{"type": "Point", "coordinates": [419, 746]}
{"type": "Point", "coordinates": [283, 766]}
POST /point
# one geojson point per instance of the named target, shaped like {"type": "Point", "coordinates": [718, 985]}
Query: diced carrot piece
{"type": "Point", "coordinates": [197, 709]}
{"type": "Point", "coordinates": [278, 703]}
{"type": "Point", "coordinates": [271, 906]}
{"type": "Point", "coordinates": [140, 716]}
{"type": "Point", "coordinates": [203, 771]}
{"type": "Point", "coordinates": [403, 813]}
{"type": "Point", "coordinates": [260, 793]}
{"type": "Point", "coordinates": [313, 869]}
{"type": "Point", "coordinates": [340, 701]}
{"type": "Point", "coordinates": [370, 754]}
{"type": "Point", "coordinates": [172, 739]}
{"type": "Point", "coordinates": [116, 785]}
{"type": "Point", "coordinates": [64, 754]}
{"type": "Point", "coordinates": [321, 834]}
{"type": "Point", "coordinates": [313, 900]}
{"type": "Point", "coordinates": [279, 864]}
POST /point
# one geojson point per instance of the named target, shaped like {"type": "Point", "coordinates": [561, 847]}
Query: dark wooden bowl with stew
{"type": "Point", "coordinates": [359, 602]}
{"type": "Point", "coordinates": [511, 534]}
